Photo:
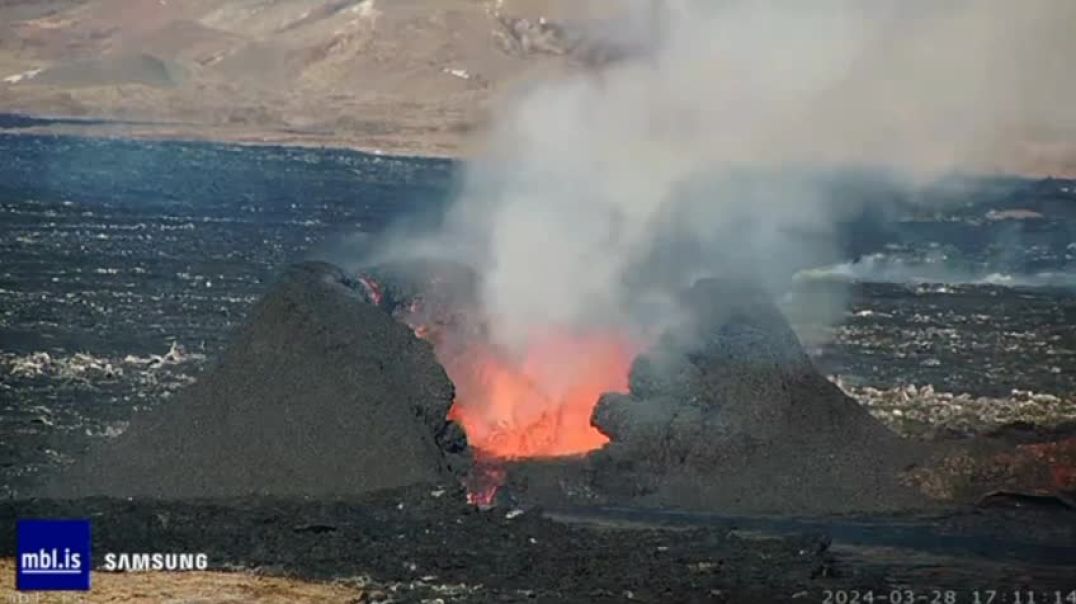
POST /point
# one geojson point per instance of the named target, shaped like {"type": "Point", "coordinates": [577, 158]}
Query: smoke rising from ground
{"type": "Point", "coordinates": [719, 151]}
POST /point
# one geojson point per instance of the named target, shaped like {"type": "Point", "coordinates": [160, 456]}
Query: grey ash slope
{"type": "Point", "coordinates": [320, 393]}
{"type": "Point", "coordinates": [743, 421]}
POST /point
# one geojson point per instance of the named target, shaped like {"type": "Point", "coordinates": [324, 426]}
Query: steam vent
{"type": "Point", "coordinates": [337, 385]}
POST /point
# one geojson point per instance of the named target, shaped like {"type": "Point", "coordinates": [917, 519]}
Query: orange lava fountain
{"type": "Point", "coordinates": [537, 404]}
{"type": "Point", "coordinates": [533, 404]}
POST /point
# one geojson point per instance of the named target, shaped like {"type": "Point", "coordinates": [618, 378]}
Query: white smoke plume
{"type": "Point", "coordinates": [703, 156]}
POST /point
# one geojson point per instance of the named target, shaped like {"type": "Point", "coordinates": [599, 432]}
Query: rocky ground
{"type": "Point", "coordinates": [424, 544]}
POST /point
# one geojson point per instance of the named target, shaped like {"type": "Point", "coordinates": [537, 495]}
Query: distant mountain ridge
{"type": "Point", "coordinates": [412, 76]}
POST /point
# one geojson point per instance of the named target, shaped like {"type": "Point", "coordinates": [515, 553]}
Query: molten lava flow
{"type": "Point", "coordinates": [539, 403]}
{"type": "Point", "coordinates": [373, 289]}
{"type": "Point", "coordinates": [536, 403]}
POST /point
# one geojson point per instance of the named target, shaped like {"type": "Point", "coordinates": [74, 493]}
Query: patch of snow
{"type": "Point", "coordinates": [916, 411]}
{"type": "Point", "coordinates": [462, 74]}
{"type": "Point", "coordinates": [82, 366]}
{"type": "Point", "coordinates": [366, 10]}
{"type": "Point", "coordinates": [26, 75]}
{"type": "Point", "coordinates": [1015, 214]}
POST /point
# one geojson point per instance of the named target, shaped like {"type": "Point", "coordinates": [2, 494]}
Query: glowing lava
{"type": "Point", "coordinates": [535, 403]}
{"type": "Point", "coordinates": [539, 403]}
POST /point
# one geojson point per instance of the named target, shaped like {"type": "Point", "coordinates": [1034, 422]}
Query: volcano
{"type": "Point", "coordinates": [722, 410]}
{"type": "Point", "coordinates": [345, 383]}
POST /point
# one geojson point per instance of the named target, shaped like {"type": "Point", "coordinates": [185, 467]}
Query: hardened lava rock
{"type": "Point", "coordinates": [320, 393]}
{"type": "Point", "coordinates": [726, 411]}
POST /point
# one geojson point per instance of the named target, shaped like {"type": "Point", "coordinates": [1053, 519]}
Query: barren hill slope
{"type": "Point", "coordinates": [401, 76]}
{"type": "Point", "coordinates": [404, 76]}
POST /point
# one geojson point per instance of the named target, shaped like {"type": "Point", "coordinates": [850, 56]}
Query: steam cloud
{"type": "Point", "coordinates": [602, 192]}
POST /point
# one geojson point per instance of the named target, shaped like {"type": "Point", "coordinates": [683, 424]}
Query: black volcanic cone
{"type": "Point", "coordinates": [321, 393]}
{"type": "Point", "coordinates": [727, 412]}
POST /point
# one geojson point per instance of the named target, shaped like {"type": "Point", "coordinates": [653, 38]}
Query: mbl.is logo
{"type": "Point", "coordinates": [53, 555]}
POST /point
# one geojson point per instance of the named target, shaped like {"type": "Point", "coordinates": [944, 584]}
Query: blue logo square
{"type": "Point", "coordinates": [54, 555]}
